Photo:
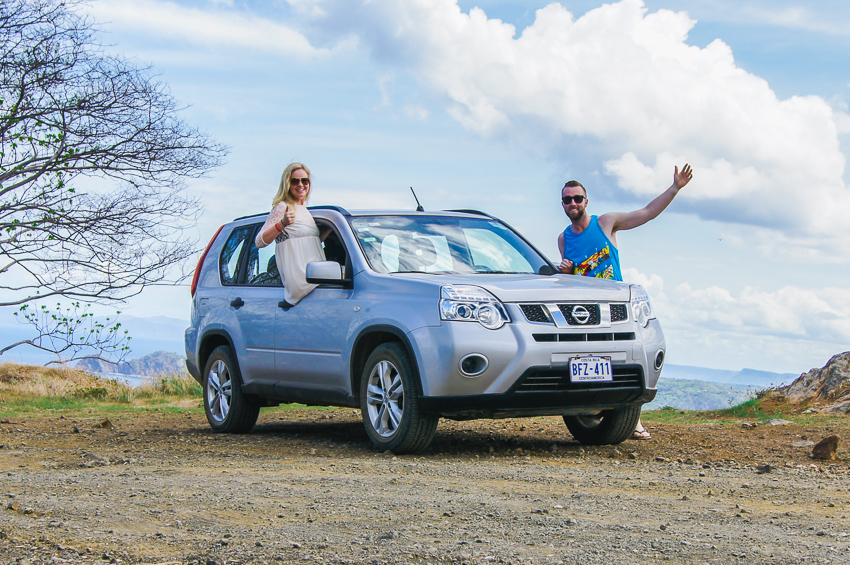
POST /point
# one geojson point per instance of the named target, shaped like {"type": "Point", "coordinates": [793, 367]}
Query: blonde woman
{"type": "Point", "coordinates": [293, 229]}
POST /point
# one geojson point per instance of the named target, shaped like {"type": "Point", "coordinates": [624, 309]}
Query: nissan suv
{"type": "Point", "coordinates": [418, 316]}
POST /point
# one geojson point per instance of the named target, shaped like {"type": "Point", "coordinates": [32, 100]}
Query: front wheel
{"type": "Point", "coordinates": [225, 405]}
{"type": "Point", "coordinates": [389, 403]}
{"type": "Point", "coordinates": [606, 428]}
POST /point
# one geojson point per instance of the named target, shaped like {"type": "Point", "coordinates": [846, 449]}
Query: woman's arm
{"type": "Point", "coordinates": [279, 218]}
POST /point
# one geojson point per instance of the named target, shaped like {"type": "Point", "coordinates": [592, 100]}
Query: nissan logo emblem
{"type": "Point", "coordinates": [580, 314]}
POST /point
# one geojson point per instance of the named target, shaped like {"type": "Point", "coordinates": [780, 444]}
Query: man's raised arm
{"type": "Point", "coordinates": [613, 222]}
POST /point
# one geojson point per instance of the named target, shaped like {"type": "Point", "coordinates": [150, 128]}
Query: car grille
{"type": "Point", "coordinates": [619, 313]}
{"type": "Point", "coordinates": [536, 313]}
{"type": "Point", "coordinates": [575, 314]}
{"type": "Point", "coordinates": [547, 380]}
{"type": "Point", "coordinates": [618, 336]}
{"type": "Point", "coordinates": [580, 314]}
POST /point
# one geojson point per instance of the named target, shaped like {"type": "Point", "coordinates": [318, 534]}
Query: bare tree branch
{"type": "Point", "coordinates": [93, 161]}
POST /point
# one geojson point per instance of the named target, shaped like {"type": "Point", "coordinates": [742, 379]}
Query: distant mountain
{"type": "Point", "coordinates": [698, 395]}
{"type": "Point", "coordinates": [744, 377]}
{"type": "Point", "coordinates": [148, 335]}
{"type": "Point", "coordinates": [700, 388]}
{"type": "Point", "coordinates": [157, 364]}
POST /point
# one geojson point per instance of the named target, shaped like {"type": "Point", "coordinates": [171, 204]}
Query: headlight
{"type": "Point", "coordinates": [641, 308]}
{"type": "Point", "coordinates": [465, 303]}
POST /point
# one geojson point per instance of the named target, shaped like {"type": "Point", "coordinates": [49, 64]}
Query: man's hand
{"type": "Point", "coordinates": [567, 266]}
{"type": "Point", "coordinates": [683, 178]}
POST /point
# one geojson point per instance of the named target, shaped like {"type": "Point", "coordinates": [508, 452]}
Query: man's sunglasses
{"type": "Point", "coordinates": [295, 181]}
{"type": "Point", "coordinates": [578, 199]}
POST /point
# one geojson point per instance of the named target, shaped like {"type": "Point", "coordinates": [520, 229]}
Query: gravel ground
{"type": "Point", "coordinates": [306, 486]}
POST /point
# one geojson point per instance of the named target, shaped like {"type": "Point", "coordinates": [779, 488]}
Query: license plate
{"type": "Point", "coordinates": [590, 369]}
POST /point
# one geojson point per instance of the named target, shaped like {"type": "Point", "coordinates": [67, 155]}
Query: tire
{"type": "Point", "coordinates": [606, 428]}
{"type": "Point", "coordinates": [389, 403]}
{"type": "Point", "coordinates": [226, 407]}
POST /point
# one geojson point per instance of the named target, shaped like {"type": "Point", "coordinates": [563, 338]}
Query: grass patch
{"type": "Point", "coordinates": [766, 405]}
{"type": "Point", "coordinates": [27, 389]}
{"type": "Point", "coordinates": [170, 386]}
{"type": "Point", "coordinates": [673, 415]}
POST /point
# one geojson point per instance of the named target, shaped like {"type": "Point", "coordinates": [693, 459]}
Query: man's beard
{"type": "Point", "coordinates": [579, 214]}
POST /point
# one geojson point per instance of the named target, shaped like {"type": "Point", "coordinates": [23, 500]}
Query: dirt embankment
{"type": "Point", "coordinates": [306, 486]}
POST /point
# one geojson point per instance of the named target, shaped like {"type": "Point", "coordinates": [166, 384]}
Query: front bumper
{"type": "Point", "coordinates": [528, 367]}
{"type": "Point", "coordinates": [542, 391]}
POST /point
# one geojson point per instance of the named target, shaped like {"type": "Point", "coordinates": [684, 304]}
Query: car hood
{"type": "Point", "coordinates": [539, 288]}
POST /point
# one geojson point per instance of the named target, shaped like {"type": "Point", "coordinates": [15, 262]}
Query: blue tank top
{"type": "Point", "coordinates": [592, 252]}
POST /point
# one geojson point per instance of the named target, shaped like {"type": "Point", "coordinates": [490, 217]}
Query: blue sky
{"type": "Point", "coordinates": [494, 104]}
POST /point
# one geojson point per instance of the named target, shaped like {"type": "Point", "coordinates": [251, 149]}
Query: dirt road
{"type": "Point", "coordinates": [306, 487]}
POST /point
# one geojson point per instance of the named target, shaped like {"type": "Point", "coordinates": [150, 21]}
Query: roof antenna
{"type": "Point", "coordinates": [419, 207]}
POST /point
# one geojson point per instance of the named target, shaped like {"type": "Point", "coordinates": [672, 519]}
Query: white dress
{"type": "Point", "coordinates": [296, 246]}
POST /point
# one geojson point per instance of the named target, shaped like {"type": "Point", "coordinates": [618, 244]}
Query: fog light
{"type": "Point", "coordinates": [659, 359]}
{"type": "Point", "coordinates": [473, 364]}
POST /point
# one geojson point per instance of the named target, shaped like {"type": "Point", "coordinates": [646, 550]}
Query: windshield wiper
{"type": "Point", "coordinates": [500, 273]}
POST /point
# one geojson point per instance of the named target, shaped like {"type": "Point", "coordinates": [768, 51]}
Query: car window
{"type": "Point", "coordinates": [389, 252]}
{"type": "Point", "coordinates": [332, 245]}
{"type": "Point", "coordinates": [424, 253]}
{"type": "Point", "coordinates": [231, 253]}
{"type": "Point", "coordinates": [443, 244]}
{"type": "Point", "coordinates": [261, 267]}
{"type": "Point", "coordinates": [490, 252]}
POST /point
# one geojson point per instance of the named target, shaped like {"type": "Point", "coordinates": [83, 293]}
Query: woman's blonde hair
{"type": "Point", "coordinates": [283, 194]}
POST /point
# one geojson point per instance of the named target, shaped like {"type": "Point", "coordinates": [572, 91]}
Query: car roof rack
{"type": "Point", "coordinates": [476, 212]}
{"type": "Point", "coordinates": [250, 216]}
{"type": "Point", "coordinates": [339, 209]}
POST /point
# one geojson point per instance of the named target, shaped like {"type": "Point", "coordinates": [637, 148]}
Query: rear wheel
{"type": "Point", "coordinates": [607, 427]}
{"type": "Point", "coordinates": [389, 403]}
{"type": "Point", "coordinates": [226, 407]}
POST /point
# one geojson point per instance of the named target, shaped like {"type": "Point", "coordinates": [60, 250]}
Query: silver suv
{"type": "Point", "coordinates": [417, 316]}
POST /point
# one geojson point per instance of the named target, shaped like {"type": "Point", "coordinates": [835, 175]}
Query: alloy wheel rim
{"type": "Point", "coordinates": [590, 421]}
{"type": "Point", "coordinates": [219, 391]}
{"type": "Point", "coordinates": [385, 399]}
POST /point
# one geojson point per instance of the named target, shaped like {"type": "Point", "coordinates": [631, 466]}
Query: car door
{"type": "Point", "coordinates": [253, 301]}
{"type": "Point", "coordinates": [311, 337]}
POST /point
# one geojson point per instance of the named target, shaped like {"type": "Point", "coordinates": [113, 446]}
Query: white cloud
{"type": "Point", "coordinates": [793, 327]}
{"type": "Point", "coordinates": [628, 79]}
{"type": "Point", "coordinates": [801, 324]}
{"type": "Point", "coordinates": [842, 121]}
{"type": "Point", "coordinates": [820, 17]}
{"type": "Point", "coordinates": [216, 27]}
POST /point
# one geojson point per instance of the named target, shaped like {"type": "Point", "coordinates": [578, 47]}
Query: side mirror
{"type": "Point", "coordinates": [324, 272]}
{"type": "Point", "coordinates": [546, 270]}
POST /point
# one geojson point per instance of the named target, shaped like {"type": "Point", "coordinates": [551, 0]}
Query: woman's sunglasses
{"type": "Point", "coordinates": [295, 181]}
{"type": "Point", "coordinates": [578, 199]}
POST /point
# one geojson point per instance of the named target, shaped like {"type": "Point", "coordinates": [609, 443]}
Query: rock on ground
{"type": "Point", "coordinates": [829, 385]}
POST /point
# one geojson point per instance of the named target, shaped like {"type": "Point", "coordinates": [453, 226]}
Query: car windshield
{"type": "Point", "coordinates": [443, 245]}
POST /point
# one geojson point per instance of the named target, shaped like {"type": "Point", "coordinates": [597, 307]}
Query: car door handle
{"type": "Point", "coordinates": [237, 302]}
